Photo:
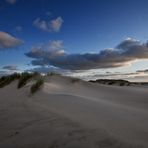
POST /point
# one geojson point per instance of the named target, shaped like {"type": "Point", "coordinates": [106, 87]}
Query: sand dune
{"type": "Point", "coordinates": [71, 114]}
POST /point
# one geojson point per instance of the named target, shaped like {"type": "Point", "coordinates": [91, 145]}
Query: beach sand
{"type": "Point", "coordinates": [68, 113]}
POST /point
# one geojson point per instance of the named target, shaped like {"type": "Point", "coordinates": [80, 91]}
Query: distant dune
{"type": "Point", "coordinates": [119, 82]}
{"type": "Point", "coordinates": [112, 82]}
{"type": "Point", "coordinates": [71, 113]}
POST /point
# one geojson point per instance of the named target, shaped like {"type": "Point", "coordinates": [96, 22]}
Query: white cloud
{"type": "Point", "coordinates": [49, 26]}
{"type": "Point", "coordinates": [55, 44]}
{"type": "Point", "coordinates": [8, 41]}
{"type": "Point", "coordinates": [56, 24]}
{"type": "Point", "coordinates": [95, 74]}
{"type": "Point", "coordinates": [47, 69]}
{"type": "Point", "coordinates": [3, 73]}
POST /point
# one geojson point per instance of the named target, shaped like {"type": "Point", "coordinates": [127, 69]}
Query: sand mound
{"type": "Point", "coordinates": [70, 113]}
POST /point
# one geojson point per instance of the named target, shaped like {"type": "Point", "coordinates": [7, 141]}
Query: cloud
{"type": "Point", "coordinates": [49, 26]}
{"type": "Point", "coordinates": [46, 69]}
{"type": "Point", "coordinates": [3, 73]}
{"type": "Point", "coordinates": [56, 24]}
{"type": "Point", "coordinates": [11, 1]}
{"type": "Point", "coordinates": [8, 41]}
{"type": "Point", "coordinates": [139, 79]}
{"type": "Point", "coordinates": [51, 49]}
{"type": "Point", "coordinates": [41, 69]}
{"type": "Point", "coordinates": [10, 67]}
{"type": "Point", "coordinates": [126, 52]}
{"type": "Point", "coordinates": [86, 75]}
{"type": "Point", "coordinates": [95, 74]}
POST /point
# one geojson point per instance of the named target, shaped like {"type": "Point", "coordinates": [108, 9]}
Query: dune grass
{"type": "Point", "coordinates": [5, 80]}
{"type": "Point", "coordinates": [24, 78]}
{"type": "Point", "coordinates": [36, 86]}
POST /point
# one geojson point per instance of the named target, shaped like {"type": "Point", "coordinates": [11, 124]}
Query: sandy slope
{"type": "Point", "coordinates": [70, 114]}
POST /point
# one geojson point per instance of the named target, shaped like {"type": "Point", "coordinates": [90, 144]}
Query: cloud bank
{"type": "Point", "coordinates": [48, 69]}
{"type": "Point", "coordinates": [49, 26]}
{"type": "Point", "coordinates": [123, 54]}
{"type": "Point", "coordinates": [8, 41]}
{"type": "Point", "coordinates": [10, 67]}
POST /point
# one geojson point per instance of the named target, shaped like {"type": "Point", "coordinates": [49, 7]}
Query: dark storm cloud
{"type": "Point", "coordinates": [126, 52]}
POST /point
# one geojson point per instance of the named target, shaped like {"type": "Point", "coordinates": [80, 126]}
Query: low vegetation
{"type": "Point", "coordinates": [36, 86]}
{"type": "Point", "coordinates": [5, 80]}
{"type": "Point", "coordinates": [24, 78]}
{"type": "Point", "coordinates": [112, 82]}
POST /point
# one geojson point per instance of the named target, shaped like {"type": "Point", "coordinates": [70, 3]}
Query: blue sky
{"type": "Point", "coordinates": [75, 26]}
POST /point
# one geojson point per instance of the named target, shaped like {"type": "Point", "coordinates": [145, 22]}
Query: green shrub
{"type": "Point", "coordinates": [5, 80]}
{"type": "Point", "coordinates": [36, 86]}
{"type": "Point", "coordinates": [24, 78]}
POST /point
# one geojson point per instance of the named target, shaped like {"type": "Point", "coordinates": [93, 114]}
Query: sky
{"type": "Point", "coordinates": [89, 39]}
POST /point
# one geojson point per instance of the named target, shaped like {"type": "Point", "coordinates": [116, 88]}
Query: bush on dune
{"type": "Point", "coordinates": [5, 80]}
{"type": "Point", "coordinates": [24, 78]}
{"type": "Point", "coordinates": [36, 86]}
